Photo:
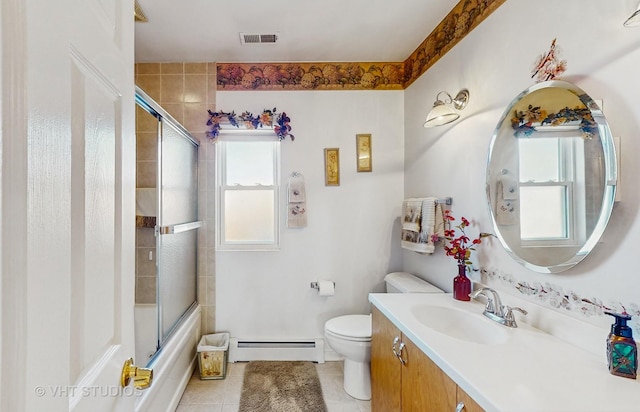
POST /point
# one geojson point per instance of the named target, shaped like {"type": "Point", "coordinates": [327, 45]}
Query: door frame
{"type": "Point", "coordinates": [13, 205]}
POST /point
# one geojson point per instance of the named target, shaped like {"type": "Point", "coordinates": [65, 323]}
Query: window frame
{"type": "Point", "coordinates": [221, 188]}
{"type": "Point", "coordinates": [567, 176]}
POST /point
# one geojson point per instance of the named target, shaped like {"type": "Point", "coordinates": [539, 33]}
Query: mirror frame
{"type": "Point", "coordinates": [609, 175]}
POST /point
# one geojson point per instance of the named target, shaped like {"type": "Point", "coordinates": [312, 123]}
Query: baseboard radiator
{"type": "Point", "coordinates": [243, 350]}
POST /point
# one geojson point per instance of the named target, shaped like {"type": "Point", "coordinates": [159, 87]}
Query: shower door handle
{"type": "Point", "coordinates": [182, 227]}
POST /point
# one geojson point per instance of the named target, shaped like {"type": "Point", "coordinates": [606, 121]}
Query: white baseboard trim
{"type": "Point", "coordinates": [247, 349]}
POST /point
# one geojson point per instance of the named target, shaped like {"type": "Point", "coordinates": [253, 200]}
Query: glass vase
{"type": "Point", "coordinates": [461, 284]}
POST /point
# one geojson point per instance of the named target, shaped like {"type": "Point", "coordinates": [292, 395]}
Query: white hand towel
{"type": "Point", "coordinates": [427, 224]}
{"type": "Point", "coordinates": [419, 224]}
{"type": "Point", "coordinates": [439, 223]}
{"type": "Point", "coordinates": [506, 210]}
{"type": "Point", "coordinates": [412, 214]}
{"type": "Point", "coordinates": [146, 201]}
{"type": "Point", "coordinates": [509, 188]}
{"type": "Point", "coordinates": [297, 205]}
{"type": "Point", "coordinates": [296, 191]}
{"type": "Point", "coordinates": [297, 215]}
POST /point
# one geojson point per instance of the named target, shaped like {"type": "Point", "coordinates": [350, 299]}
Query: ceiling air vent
{"type": "Point", "coordinates": [258, 38]}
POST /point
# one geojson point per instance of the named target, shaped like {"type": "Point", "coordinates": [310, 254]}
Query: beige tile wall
{"type": "Point", "coordinates": [146, 171]}
{"type": "Point", "coordinates": [185, 91]}
{"type": "Point", "coordinates": [145, 269]}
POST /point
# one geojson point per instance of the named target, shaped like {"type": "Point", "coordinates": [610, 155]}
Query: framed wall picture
{"type": "Point", "coordinates": [363, 152]}
{"type": "Point", "coordinates": [332, 167]}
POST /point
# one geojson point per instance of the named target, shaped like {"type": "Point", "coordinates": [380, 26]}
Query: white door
{"type": "Point", "coordinates": [68, 178]}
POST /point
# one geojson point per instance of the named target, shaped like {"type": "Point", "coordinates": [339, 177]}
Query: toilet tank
{"type": "Point", "coordinates": [403, 282]}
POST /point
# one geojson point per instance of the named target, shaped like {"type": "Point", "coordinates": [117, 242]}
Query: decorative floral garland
{"type": "Point", "coordinates": [525, 122]}
{"type": "Point", "coordinates": [247, 120]}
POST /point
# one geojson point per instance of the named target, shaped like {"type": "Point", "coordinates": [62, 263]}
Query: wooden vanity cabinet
{"type": "Point", "coordinates": [386, 369]}
{"type": "Point", "coordinates": [418, 385]}
{"type": "Point", "coordinates": [469, 404]}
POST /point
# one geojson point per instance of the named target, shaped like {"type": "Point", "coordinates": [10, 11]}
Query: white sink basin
{"type": "Point", "coordinates": [459, 324]}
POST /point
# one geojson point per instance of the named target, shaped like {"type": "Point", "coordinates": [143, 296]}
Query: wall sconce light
{"type": "Point", "coordinates": [442, 113]}
{"type": "Point", "coordinates": [634, 20]}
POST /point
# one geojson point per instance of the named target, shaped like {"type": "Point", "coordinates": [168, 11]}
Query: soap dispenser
{"type": "Point", "coordinates": [622, 352]}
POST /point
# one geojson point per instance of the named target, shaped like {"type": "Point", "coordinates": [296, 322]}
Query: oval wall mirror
{"type": "Point", "coordinates": [551, 176]}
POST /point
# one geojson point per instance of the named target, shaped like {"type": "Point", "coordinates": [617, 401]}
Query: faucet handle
{"type": "Point", "coordinates": [489, 306]}
{"type": "Point", "coordinates": [477, 292]}
{"type": "Point", "coordinates": [509, 319]}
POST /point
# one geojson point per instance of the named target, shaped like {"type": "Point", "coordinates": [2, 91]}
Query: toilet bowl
{"type": "Point", "coordinates": [350, 335]}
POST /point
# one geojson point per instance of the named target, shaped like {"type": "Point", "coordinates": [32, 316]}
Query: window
{"type": "Point", "coordinates": [551, 197]}
{"type": "Point", "coordinates": [247, 186]}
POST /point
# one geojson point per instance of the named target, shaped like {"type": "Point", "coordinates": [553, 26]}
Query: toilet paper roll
{"type": "Point", "coordinates": [326, 288]}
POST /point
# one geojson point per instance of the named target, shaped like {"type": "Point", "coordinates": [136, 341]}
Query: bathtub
{"type": "Point", "coordinates": [172, 365]}
{"type": "Point", "coordinates": [146, 326]}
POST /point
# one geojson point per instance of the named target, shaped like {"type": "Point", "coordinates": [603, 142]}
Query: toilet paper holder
{"type": "Point", "coordinates": [314, 285]}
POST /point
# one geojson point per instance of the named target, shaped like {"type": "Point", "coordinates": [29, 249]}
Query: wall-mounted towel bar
{"type": "Point", "coordinates": [445, 201]}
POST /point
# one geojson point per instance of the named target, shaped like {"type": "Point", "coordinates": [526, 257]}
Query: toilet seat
{"type": "Point", "coordinates": [349, 336]}
{"type": "Point", "coordinates": [350, 327]}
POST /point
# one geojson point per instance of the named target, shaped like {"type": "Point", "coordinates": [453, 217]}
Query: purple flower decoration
{"type": "Point", "coordinates": [282, 128]}
{"type": "Point", "coordinates": [247, 119]}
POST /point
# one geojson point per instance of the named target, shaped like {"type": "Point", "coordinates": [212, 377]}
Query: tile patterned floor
{"type": "Point", "coordinates": [224, 395]}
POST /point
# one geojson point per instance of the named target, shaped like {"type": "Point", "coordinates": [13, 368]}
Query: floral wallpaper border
{"type": "Point", "coordinates": [310, 76]}
{"type": "Point", "coordinates": [463, 18]}
{"type": "Point", "coordinates": [558, 298]}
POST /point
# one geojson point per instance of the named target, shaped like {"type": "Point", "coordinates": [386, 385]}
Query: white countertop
{"type": "Point", "coordinates": [528, 371]}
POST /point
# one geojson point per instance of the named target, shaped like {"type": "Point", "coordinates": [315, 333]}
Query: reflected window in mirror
{"type": "Point", "coordinates": [551, 176]}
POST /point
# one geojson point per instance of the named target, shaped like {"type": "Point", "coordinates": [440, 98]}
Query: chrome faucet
{"type": "Point", "coordinates": [494, 304]}
{"type": "Point", "coordinates": [495, 310]}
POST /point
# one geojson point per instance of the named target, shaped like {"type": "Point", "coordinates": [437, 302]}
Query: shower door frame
{"type": "Point", "coordinates": [151, 106]}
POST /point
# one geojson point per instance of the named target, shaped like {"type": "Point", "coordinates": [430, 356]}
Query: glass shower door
{"type": "Point", "coordinates": [177, 224]}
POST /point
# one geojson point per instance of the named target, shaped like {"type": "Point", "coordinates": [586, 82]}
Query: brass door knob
{"type": "Point", "coordinates": [142, 377]}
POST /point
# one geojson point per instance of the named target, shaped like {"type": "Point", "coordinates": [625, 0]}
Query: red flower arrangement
{"type": "Point", "coordinates": [460, 247]}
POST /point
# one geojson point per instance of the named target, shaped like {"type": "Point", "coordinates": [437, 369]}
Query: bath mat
{"type": "Point", "coordinates": [274, 386]}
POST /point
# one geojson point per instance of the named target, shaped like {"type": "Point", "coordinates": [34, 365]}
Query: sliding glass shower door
{"type": "Point", "coordinates": [177, 224]}
{"type": "Point", "coordinates": [166, 225]}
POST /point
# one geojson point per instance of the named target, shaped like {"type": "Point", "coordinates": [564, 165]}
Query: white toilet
{"type": "Point", "coordinates": [350, 335]}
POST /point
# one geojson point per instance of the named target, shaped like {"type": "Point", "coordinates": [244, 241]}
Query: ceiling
{"type": "Point", "coordinates": [308, 31]}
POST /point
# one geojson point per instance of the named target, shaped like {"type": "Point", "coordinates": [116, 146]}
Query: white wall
{"type": "Point", "coordinates": [352, 233]}
{"type": "Point", "coordinates": [494, 62]}
{"type": "Point", "coordinates": [349, 238]}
